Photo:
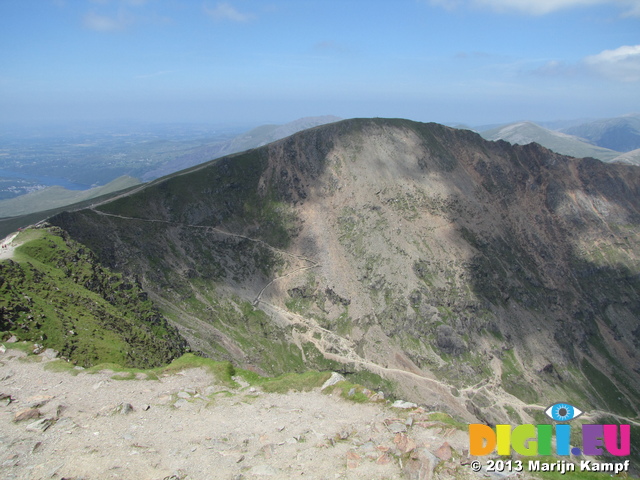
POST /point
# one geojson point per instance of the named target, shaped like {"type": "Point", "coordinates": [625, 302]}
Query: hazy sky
{"type": "Point", "coordinates": [253, 61]}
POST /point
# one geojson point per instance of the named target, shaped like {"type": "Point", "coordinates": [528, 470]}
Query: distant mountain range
{"type": "Point", "coordinates": [606, 140]}
{"type": "Point", "coordinates": [257, 137]}
{"type": "Point", "coordinates": [523, 133]}
{"type": "Point", "coordinates": [610, 140]}
{"type": "Point", "coordinates": [621, 133]}
{"type": "Point", "coordinates": [56, 196]}
{"type": "Point", "coordinates": [632, 157]}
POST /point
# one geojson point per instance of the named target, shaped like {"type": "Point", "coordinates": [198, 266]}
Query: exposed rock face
{"type": "Point", "coordinates": [399, 247]}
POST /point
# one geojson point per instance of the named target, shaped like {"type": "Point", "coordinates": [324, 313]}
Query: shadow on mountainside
{"type": "Point", "coordinates": [552, 248]}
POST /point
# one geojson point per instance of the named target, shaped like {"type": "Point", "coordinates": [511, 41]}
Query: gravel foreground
{"type": "Point", "coordinates": [185, 426]}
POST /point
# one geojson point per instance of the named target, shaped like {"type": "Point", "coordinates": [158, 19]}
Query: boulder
{"type": "Point", "coordinates": [28, 414]}
{"type": "Point", "coordinates": [403, 443]}
{"type": "Point", "coordinates": [420, 465]}
{"type": "Point", "coordinates": [335, 378]}
{"type": "Point", "coordinates": [41, 425]}
{"type": "Point", "coordinates": [444, 452]}
{"type": "Point", "coordinates": [404, 405]}
{"type": "Point", "coordinates": [49, 354]}
{"type": "Point", "coordinates": [123, 409]}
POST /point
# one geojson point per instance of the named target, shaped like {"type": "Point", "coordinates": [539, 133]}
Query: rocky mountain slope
{"type": "Point", "coordinates": [483, 278]}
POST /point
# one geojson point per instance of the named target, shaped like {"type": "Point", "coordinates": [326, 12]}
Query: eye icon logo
{"type": "Point", "coordinates": [563, 412]}
{"type": "Point", "coordinates": [596, 439]}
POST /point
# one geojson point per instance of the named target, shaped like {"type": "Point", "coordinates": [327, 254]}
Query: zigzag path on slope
{"type": "Point", "coordinates": [499, 396]}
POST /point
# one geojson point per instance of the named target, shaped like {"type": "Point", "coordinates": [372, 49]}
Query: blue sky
{"type": "Point", "coordinates": [256, 61]}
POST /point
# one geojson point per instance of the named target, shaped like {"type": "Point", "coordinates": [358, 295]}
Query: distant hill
{"type": "Point", "coordinates": [523, 133]}
{"type": "Point", "coordinates": [631, 158]}
{"type": "Point", "coordinates": [619, 133]}
{"type": "Point", "coordinates": [55, 197]}
{"type": "Point", "coordinates": [257, 137]}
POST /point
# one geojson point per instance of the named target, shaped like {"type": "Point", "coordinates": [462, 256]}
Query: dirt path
{"type": "Point", "coordinates": [342, 350]}
{"type": "Point", "coordinates": [8, 247]}
{"type": "Point", "coordinates": [208, 227]}
{"type": "Point", "coordinates": [345, 349]}
{"type": "Point", "coordinates": [311, 263]}
{"type": "Point", "coordinates": [187, 426]}
{"type": "Point", "coordinates": [344, 345]}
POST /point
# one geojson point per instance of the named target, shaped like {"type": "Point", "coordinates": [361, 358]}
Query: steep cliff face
{"type": "Point", "coordinates": [477, 274]}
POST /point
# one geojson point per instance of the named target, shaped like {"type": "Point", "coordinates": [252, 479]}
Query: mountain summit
{"type": "Point", "coordinates": [487, 278]}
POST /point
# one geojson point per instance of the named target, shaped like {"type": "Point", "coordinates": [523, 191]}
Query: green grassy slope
{"type": "Point", "coordinates": [55, 293]}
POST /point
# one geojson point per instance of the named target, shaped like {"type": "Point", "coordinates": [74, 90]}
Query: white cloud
{"type": "Point", "coordinates": [621, 64]}
{"type": "Point", "coordinates": [539, 7]}
{"type": "Point", "coordinates": [634, 9]}
{"type": "Point", "coordinates": [226, 11]}
{"type": "Point", "coordinates": [114, 15]}
{"type": "Point", "coordinates": [535, 7]}
{"type": "Point", "coordinates": [106, 23]}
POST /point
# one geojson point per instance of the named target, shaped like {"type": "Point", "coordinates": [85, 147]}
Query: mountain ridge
{"type": "Point", "coordinates": [256, 137]}
{"type": "Point", "coordinates": [564, 143]}
{"type": "Point", "coordinates": [372, 232]}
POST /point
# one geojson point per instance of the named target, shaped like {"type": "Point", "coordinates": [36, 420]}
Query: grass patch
{"type": "Point", "coordinates": [514, 416]}
{"type": "Point", "coordinates": [607, 390]}
{"type": "Point", "coordinates": [223, 371]}
{"type": "Point", "coordinates": [26, 347]}
{"type": "Point", "coordinates": [61, 366]}
{"type": "Point", "coordinates": [513, 380]}
{"type": "Point", "coordinates": [372, 381]}
{"type": "Point", "coordinates": [350, 391]}
{"type": "Point", "coordinates": [57, 294]}
{"type": "Point", "coordinates": [447, 419]}
{"type": "Point", "coordinates": [301, 382]}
